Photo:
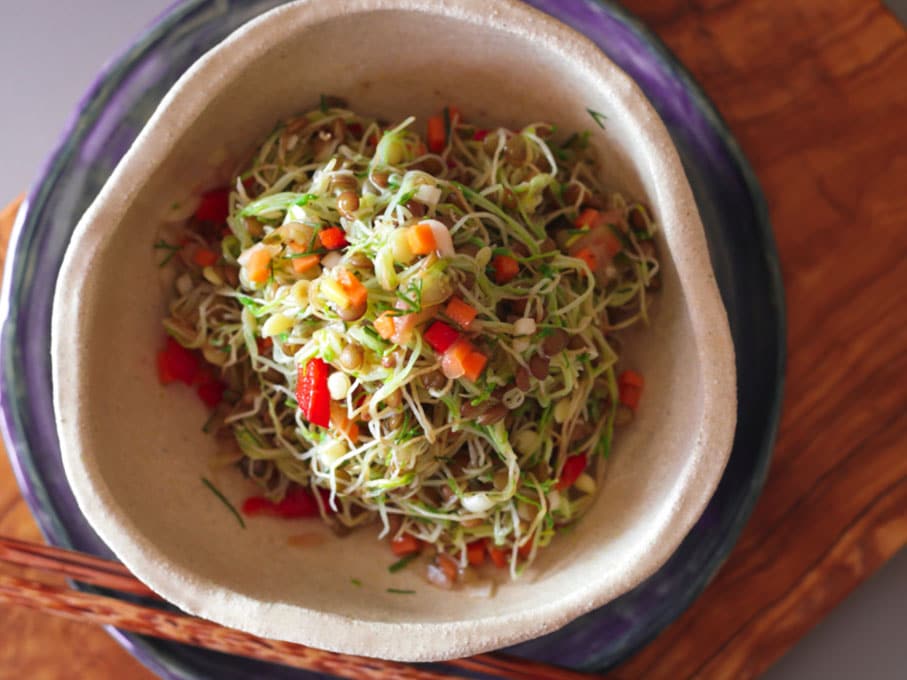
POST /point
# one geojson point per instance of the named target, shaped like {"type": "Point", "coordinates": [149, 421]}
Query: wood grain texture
{"type": "Point", "coordinates": [813, 90]}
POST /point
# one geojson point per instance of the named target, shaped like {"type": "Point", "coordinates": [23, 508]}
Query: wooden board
{"type": "Point", "coordinates": [814, 91]}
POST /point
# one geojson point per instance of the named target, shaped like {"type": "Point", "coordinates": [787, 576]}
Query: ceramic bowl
{"type": "Point", "coordinates": [134, 451]}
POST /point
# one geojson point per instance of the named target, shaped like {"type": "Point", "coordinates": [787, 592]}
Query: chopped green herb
{"type": "Point", "coordinates": [401, 563]}
{"type": "Point", "coordinates": [598, 117]}
{"type": "Point", "coordinates": [173, 250]}
{"type": "Point", "coordinates": [356, 582]}
{"type": "Point", "coordinates": [223, 499]}
{"type": "Point", "coordinates": [398, 591]}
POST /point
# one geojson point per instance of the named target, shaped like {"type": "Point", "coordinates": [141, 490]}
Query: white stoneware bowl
{"type": "Point", "coordinates": [134, 451]}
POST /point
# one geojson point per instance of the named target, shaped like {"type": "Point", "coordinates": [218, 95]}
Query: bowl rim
{"type": "Point", "coordinates": [423, 642]}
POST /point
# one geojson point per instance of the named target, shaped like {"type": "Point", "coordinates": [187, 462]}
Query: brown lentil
{"type": "Point", "coordinates": [415, 208]}
{"type": "Point", "coordinates": [555, 342]}
{"type": "Point", "coordinates": [539, 366]}
{"type": "Point", "coordinates": [351, 356]}
{"type": "Point", "coordinates": [434, 380]}
{"type": "Point", "coordinates": [493, 415]}
{"type": "Point", "coordinates": [522, 379]}
{"type": "Point", "coordinates": [348, 203]}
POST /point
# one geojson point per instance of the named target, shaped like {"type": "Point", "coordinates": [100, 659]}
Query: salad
{"type": "Point", "coordinates": [420, 334]}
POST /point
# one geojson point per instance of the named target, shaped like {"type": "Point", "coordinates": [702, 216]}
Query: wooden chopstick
{"type": "Point", "coordinates": [103, 610]}
{"type": "Point", "coordinates": [78, 566]}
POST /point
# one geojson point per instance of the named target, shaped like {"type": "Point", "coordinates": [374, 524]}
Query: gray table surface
{"type": "Point", "coordinates": [51, 54]}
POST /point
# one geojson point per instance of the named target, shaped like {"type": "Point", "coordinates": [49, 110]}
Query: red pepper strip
{"type": "Point", "coordinates": [574, 466]}
{"type": "Point", "coordinates": [312, 392]}
{"type": "Point", "coordinates": [297, 503]}
{"type": "Point", "coordinates": [214, 206]}
{"type": "Point", "coordinates": [175, 362]}
{"type": "Point", "coordinates": [475, 553]}
{"type": "Point", "coordinates": [440, 336]}
{"type": "Point", "coordinates": [211, 393]}
{"type": "Point", "coordinates": [630, 384]}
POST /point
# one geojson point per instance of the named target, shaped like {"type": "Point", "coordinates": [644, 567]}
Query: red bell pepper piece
{"type": "Point", "coordinates": [214, 206]}
{"type": "Point", "coordinates": [296, 504]}
{"type": "Point", "coordinates": [312, 392]}
{"type": "Point", "coordinates": [440, 336]}
{"type": "Point", "coordinates": [211, 393]}
{"type": "Point", "coordinates": [574, 466]}
{"type": "Point", "coordinates": [630, 384]}
{"type": "Point", "coordinates": [497, 555]}
{"type": "Point", "coordinates": [175, 362]}
{"type": "Point", "coordinates": [480, 135]}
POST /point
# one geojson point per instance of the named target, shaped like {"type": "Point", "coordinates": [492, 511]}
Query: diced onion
{"type": "Point", "coordinates": [526, 442]}
{"type": "Point", "coordinates": [331, 260]}
{"type": "Point", "coordinates": [477, 502]}
{"type": "Point", "coordinates": [524, 326]}
{"type": "Point", "coordinates": [338, 385]}
{"type": "Point", "coordinates": [184, 284]}
{"type": "Point", "coordinates": [585, 483]}
{"type": "Point", "coordinates": [330, 451]}
{"type": "Point", "coordinates": [562, 410]}
{"type": "Point", "coordinates": [212, 277]}
{"type": "Point", "coordinates": [428, 194]}
{"type": "Point", "coordinates": [275, 325]}
{"type": "Point", "coordinates": [400, 244]}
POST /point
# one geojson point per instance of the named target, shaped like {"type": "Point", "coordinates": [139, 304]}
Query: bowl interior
{"type": "Point", "coordinates": [135, 452]}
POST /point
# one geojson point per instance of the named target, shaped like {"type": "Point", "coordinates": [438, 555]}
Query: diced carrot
{"type": "Point", "coordinates": [505, 268]}
{"type": "Point", "coordinates": [588, 218]}
{"type": "Point", "coordinates": [475, 553]}
{"type": "Point", "coordinates": [497, 555]}
{"type": "Point", "coordinates": [258, 264]}
{"type": "Point", "coordinates": [304, 263]}
{"type": "Point", "coordinates": [353, 287]}
{"type": "Point", "coordinates": [460, 312]}
{"type": "Point", "coordinates": [333, 238]}
{"type": "Point", "coordinates": [204, 257]}
{"type": "Point", "coordinates": [384, 324]}
{"type": "Point", "coordinates": [588, 257]}
{"type": "Point", "coordinates": [524, 550]}
{"type": "Point", "coordinates": [436, 136]}
{"type": "Point", "coordinates": [342, 422]}
{"type": "Point", "coordinates": [630, 384]}
{"type": "Point", "coordinates": [473, 365]}
{"type": "Point", "coordinates": [454, 359]}
{"type": "Point", "coordinates": [407, 544]}
{"type": "Point", "coordinates": [421, 239]}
